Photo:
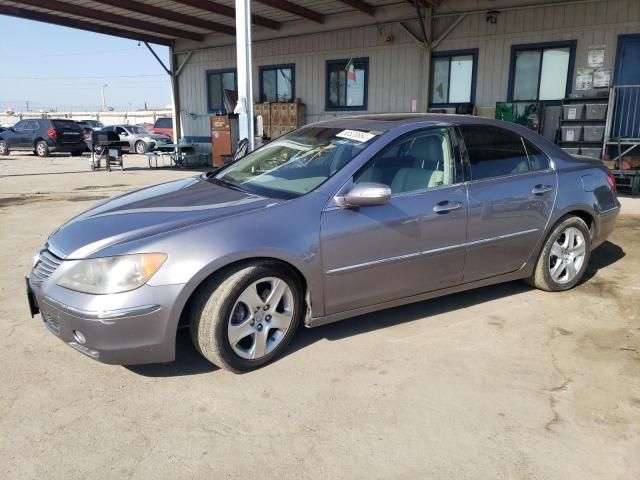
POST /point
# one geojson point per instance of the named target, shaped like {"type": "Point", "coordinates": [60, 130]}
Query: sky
{"type": "Point", "coordinates": [50, 67]}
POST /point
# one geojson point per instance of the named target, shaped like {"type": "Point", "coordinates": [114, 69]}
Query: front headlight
{"type": "Point", "coordinates": [112, 274]}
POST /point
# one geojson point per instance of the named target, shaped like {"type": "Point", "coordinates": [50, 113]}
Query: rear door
{"type": "Point", "coordinates": [412, 244]}
{"type": "Point", "coordinates": [511, 189]}
{"type": "Point", "coordinates": [68, 131]}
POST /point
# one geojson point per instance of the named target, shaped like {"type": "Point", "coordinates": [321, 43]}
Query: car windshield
{"type": "Point", "coordinates": [296, 163]}
{"type": "Point", "coordinates": [136, 130]}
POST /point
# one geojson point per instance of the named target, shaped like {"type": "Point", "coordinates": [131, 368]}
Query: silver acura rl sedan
{"type": "Point", "coordinates": [333, 220]}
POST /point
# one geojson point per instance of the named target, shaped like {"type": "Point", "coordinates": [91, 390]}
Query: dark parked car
{"type": "Point", "coordinates": [333, 220]}
{"type": "Point", "coordinates": [43, 136]}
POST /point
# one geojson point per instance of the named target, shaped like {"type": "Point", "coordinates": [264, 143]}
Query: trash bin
{"type": "Point", "coordinates": [592, 152]}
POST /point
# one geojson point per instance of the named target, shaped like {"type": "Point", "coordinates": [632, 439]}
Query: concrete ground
{"type": "Point", "coordinates": [501, 382]}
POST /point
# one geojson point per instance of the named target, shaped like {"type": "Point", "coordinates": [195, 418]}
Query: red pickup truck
{"type": "Point", "coordinates": [163, 126]}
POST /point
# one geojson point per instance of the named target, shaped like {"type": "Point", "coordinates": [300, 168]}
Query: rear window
{"type": "Point", "coordinates": [494, 152]}
{"type": "Point", "coordinates": [66, 125]}
{"type": "Point", "coordinates": [164, 123]}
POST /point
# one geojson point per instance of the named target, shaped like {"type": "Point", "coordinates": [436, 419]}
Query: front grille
{"type": "Point", "coordinates": [45, 266]}
{"type": "Point", "coordinates": [51, 323]}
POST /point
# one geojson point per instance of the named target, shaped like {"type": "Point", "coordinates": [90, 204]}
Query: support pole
{"type": "Point", "coordinates": [175, 98]}
{"type": "Point", "coordinates": [245, 82]}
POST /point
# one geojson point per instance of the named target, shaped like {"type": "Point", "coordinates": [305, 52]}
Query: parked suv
{"type": "Point", "coordinates": [43, 136]}
{"type": "Point", "coordinates": [163, 126]}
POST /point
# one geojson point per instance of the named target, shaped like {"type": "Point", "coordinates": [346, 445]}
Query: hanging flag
{"type": "Point", "coordinates": [351, 70]}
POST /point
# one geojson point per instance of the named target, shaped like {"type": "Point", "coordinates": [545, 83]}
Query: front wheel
{"type": "Point", "coordinates": [141, 147]}
{"type": "Point", "coordinates": [564, 257]}
{"type": "Point", "coordinates": [42, 149]}
{"type": "Point", "coordinates": [243, 318]}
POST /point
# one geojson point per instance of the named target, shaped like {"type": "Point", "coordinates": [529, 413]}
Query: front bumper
{"type": "Point", "coordinates": [124, 329]}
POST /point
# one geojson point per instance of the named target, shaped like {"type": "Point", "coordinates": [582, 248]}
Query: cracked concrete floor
{"type": "Point", "coordinates": [501, 382]}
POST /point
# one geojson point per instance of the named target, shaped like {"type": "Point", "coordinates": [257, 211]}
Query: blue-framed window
{"type": "Point", "coordinates": [453, 77]}
{"type": "Point", "coordinates": [342, 92]}
{"type": "Point", "coordinates": [217, 82]}
{"type": "Point", "coordinates": [541, 71]}
{"type": "Point", "coordinates": [278, 83]}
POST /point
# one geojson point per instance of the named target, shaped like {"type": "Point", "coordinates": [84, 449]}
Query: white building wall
{"type": "Point", "coordinates": [398, 69]}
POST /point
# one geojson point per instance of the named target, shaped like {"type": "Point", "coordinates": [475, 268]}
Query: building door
{"type": "Point", "coordinates": [627, 78]}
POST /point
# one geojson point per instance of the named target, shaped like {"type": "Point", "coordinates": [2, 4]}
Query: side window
{"type": "Point", "coordinates": [494, 151]}
{"type": "Point", "coordinates": [537, 159]}
{"type": "Point", "coordinates": [120, 131]}
{"type": "Point", "coordinates": [418, 161]}
{"type": "Point", "coordinates": [21, 125]}
{"type": "Point", "coordinates": [32, 125]}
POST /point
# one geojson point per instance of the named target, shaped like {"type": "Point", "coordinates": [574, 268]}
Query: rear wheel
{"type": "Point", "coordinates": [141, 147]}
{"type": "Point", "coordinates": [42, 149]}
{"type": "Point", "coordinates": [245, 317]}
{"type": "Point", "coordinates": [4, 148]}
{"type": "Point", "coordinates": [564, 257]}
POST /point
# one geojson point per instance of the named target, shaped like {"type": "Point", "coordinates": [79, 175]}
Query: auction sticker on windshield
{"type": "Point", "coordinates": [356, 135]}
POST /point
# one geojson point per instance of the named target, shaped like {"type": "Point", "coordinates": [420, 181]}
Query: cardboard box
{"type": "Point", "coordinates": [630, 162]}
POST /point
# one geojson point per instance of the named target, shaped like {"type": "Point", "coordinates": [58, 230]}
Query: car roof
{"type": "Point", "coordinates": [389, 121]}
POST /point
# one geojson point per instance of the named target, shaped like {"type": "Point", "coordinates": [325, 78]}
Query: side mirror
{"type": "Point", "coordinates": [365, 195]}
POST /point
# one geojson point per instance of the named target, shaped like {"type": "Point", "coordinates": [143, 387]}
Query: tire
{"type": "Point", "coordinates": [218, 313]}
{"type": "Point", "coordinates": [141, 147]}
{"type": "Point", "coordinates": [564, 257]}
{"type": "Point", "coordinates": [42, 149]}
{"type": "Point", "coordinates": [4, 148]}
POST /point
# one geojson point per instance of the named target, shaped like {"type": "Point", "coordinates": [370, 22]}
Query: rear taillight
{"type": "Point", "coordinates": [52, 133]}
{"type": "Point", "coordinates": [611, 180]}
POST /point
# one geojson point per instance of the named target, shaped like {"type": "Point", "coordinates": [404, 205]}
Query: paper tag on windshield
{"type": "Point", "coordinates": [356, 135]}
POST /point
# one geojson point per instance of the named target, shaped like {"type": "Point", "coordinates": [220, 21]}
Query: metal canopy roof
{"type": "Point", "coordinates": [162, 21]}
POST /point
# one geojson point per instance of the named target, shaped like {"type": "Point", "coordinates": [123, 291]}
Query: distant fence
{"type": "Point", "coordinates": [108, 118]}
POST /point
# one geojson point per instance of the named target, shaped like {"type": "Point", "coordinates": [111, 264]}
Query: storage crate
{"type": "Point", "coordinates": [572, 151]}
{"type": "Point", "coordinates": [595, 111]}
{"type": "Point", "coordinates": [572, 133]}
{"type": "Point", "coordinates": [592, 152]}
{"type": "Point", "coordinates": [573, 111]}
{"type": "Point", "coordinates": [593, 133]}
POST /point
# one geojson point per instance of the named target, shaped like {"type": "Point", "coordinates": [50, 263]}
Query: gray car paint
{"type": "Point", "coordinates": [150, 139]}
{"type": "Point", "coordinates": [204, 227]}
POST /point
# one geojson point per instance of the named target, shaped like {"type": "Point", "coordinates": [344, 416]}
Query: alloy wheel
{"type": "Point", "coordinates": [260, 318]}
{"type": "Point", "coordinates": [41, 149]}
{"type": "Point", "coordinates": [567, 255]}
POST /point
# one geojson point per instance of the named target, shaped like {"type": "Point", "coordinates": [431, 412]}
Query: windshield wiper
{"type": "Point", "coordinates": [228, 184]}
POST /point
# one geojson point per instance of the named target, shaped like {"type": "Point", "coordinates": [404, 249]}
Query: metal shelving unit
{"type": "Point", "coordinates": [583, 122]}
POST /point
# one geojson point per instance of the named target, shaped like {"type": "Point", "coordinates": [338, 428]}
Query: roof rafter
{"type": "Point", "coordinates": [360, 5]}
{"type": "Point", "coordinates": [111, 18]}
{"type": "Point", "coordinates": [79, 24]}
{"type": "Point", "coordinates": [298, 10]}
{"type": "Point", "coordinates": [228, 12]}
{"type": "Point", "coordinates": [158, 12]}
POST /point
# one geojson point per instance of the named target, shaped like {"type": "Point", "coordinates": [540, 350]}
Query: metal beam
{"type": "Point", "coordinates": [73, 23]}
{"type": "Point", "coordinates": [118, 20]}
{"type": "Point", "coordinates": [158, 12]}
{"type": "Point", "coordinates": [244, 62]}
{"type": "Point", "coordinates": [294, 9]}
{"type": "Point", "coordinates": [360, 5]}
{"type": "Point", "coordinates": [230, 12]}
{"type": "Point", "coordinates": [158, 58]}
{"type": "Point", "coordinates": [449, 29]}
{"type": "Point", "coordinates": [183, 64]}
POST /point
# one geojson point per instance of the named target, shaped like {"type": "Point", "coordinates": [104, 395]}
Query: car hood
{"type": "Point", "coordinates": [151, 211]}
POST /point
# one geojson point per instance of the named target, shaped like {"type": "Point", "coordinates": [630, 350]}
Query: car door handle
{"type": "Point", "coordinates": [540, 189]}
{"type": "Point", "coordinates": [446, 206]}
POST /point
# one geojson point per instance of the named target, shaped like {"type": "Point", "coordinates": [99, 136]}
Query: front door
{"type": "Point", "coordinates": [626, 123]}
{"type": "Point", "coordinates": [411, 245]}
{"type": "Point", "coordinates": [511, 190]}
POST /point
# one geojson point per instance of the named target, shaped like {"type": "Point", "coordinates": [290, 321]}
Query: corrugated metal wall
{"type": "Point", "coordinates": [398, 70]}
